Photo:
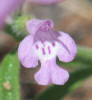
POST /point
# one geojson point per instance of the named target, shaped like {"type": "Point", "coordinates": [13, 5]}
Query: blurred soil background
{"type": "Point", "coordinates": [71, 16]}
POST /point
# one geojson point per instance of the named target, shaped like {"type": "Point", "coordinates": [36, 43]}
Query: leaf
{"type": "Point", "coordinates": [58, 92]}
{"type": "Point", "coordinates": [9, 78]}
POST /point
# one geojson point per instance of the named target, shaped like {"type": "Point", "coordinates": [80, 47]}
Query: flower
{"type": "Point", "coordinates": [46, 2]}
{"type": "Point", "coordinates": [45, 44]}
{"type": "Point", "coordinates": [6, 8]}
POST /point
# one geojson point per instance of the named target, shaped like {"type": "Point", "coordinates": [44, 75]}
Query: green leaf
{"type": "Point", "coordinates": [9, 78]}
{"type": "Point", "coordinates": [58, 92]}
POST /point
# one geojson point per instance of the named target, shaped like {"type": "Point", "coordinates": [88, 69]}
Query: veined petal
{"type": "Point", "coordinates": [43, 75]}
{"type": "Point", "coordinates": [67, 49]}
{"type": "Point", "coordinates": [26, 53]}
{"type": "Point", "coordinates": [35, 24]}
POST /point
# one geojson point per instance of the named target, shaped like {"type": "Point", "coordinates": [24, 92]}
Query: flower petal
{"type": "Point", "coordinates": [59, 76]}
{"type": "Point", "coordinates": [43, 75]}
{"type": "Point", "coordinates": [67, 48]}
{"type": "Point", "coordinates": [26, 53]}
{"type": "Point", "coordinates": [34, 25]}
{"type": "Point", "coordinates": [51, 72]}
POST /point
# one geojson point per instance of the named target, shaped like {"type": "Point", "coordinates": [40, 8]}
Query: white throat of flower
{"type": "Point", "coordinates": [47, 50]}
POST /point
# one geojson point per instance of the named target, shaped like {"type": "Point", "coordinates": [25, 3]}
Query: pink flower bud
{"type": "Point", "coordinates": [6, 8]}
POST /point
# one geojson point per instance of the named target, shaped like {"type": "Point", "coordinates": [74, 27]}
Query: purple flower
{"type": "Point", "coordinates": [6, 7]}
{"type": "Point", "coordinates": [45, 2]}
{"type": "Point", "coordinates": [45, 44]}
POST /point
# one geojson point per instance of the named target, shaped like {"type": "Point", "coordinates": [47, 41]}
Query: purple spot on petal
{"type": "Point", "coordinates": [53, 44]}
{"type": "Point", "coordinates": [37, 47]}
{"type": "Point", "coordinates": [49, 49]}
{"type": "Point", "coordinates": [43, 51]}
